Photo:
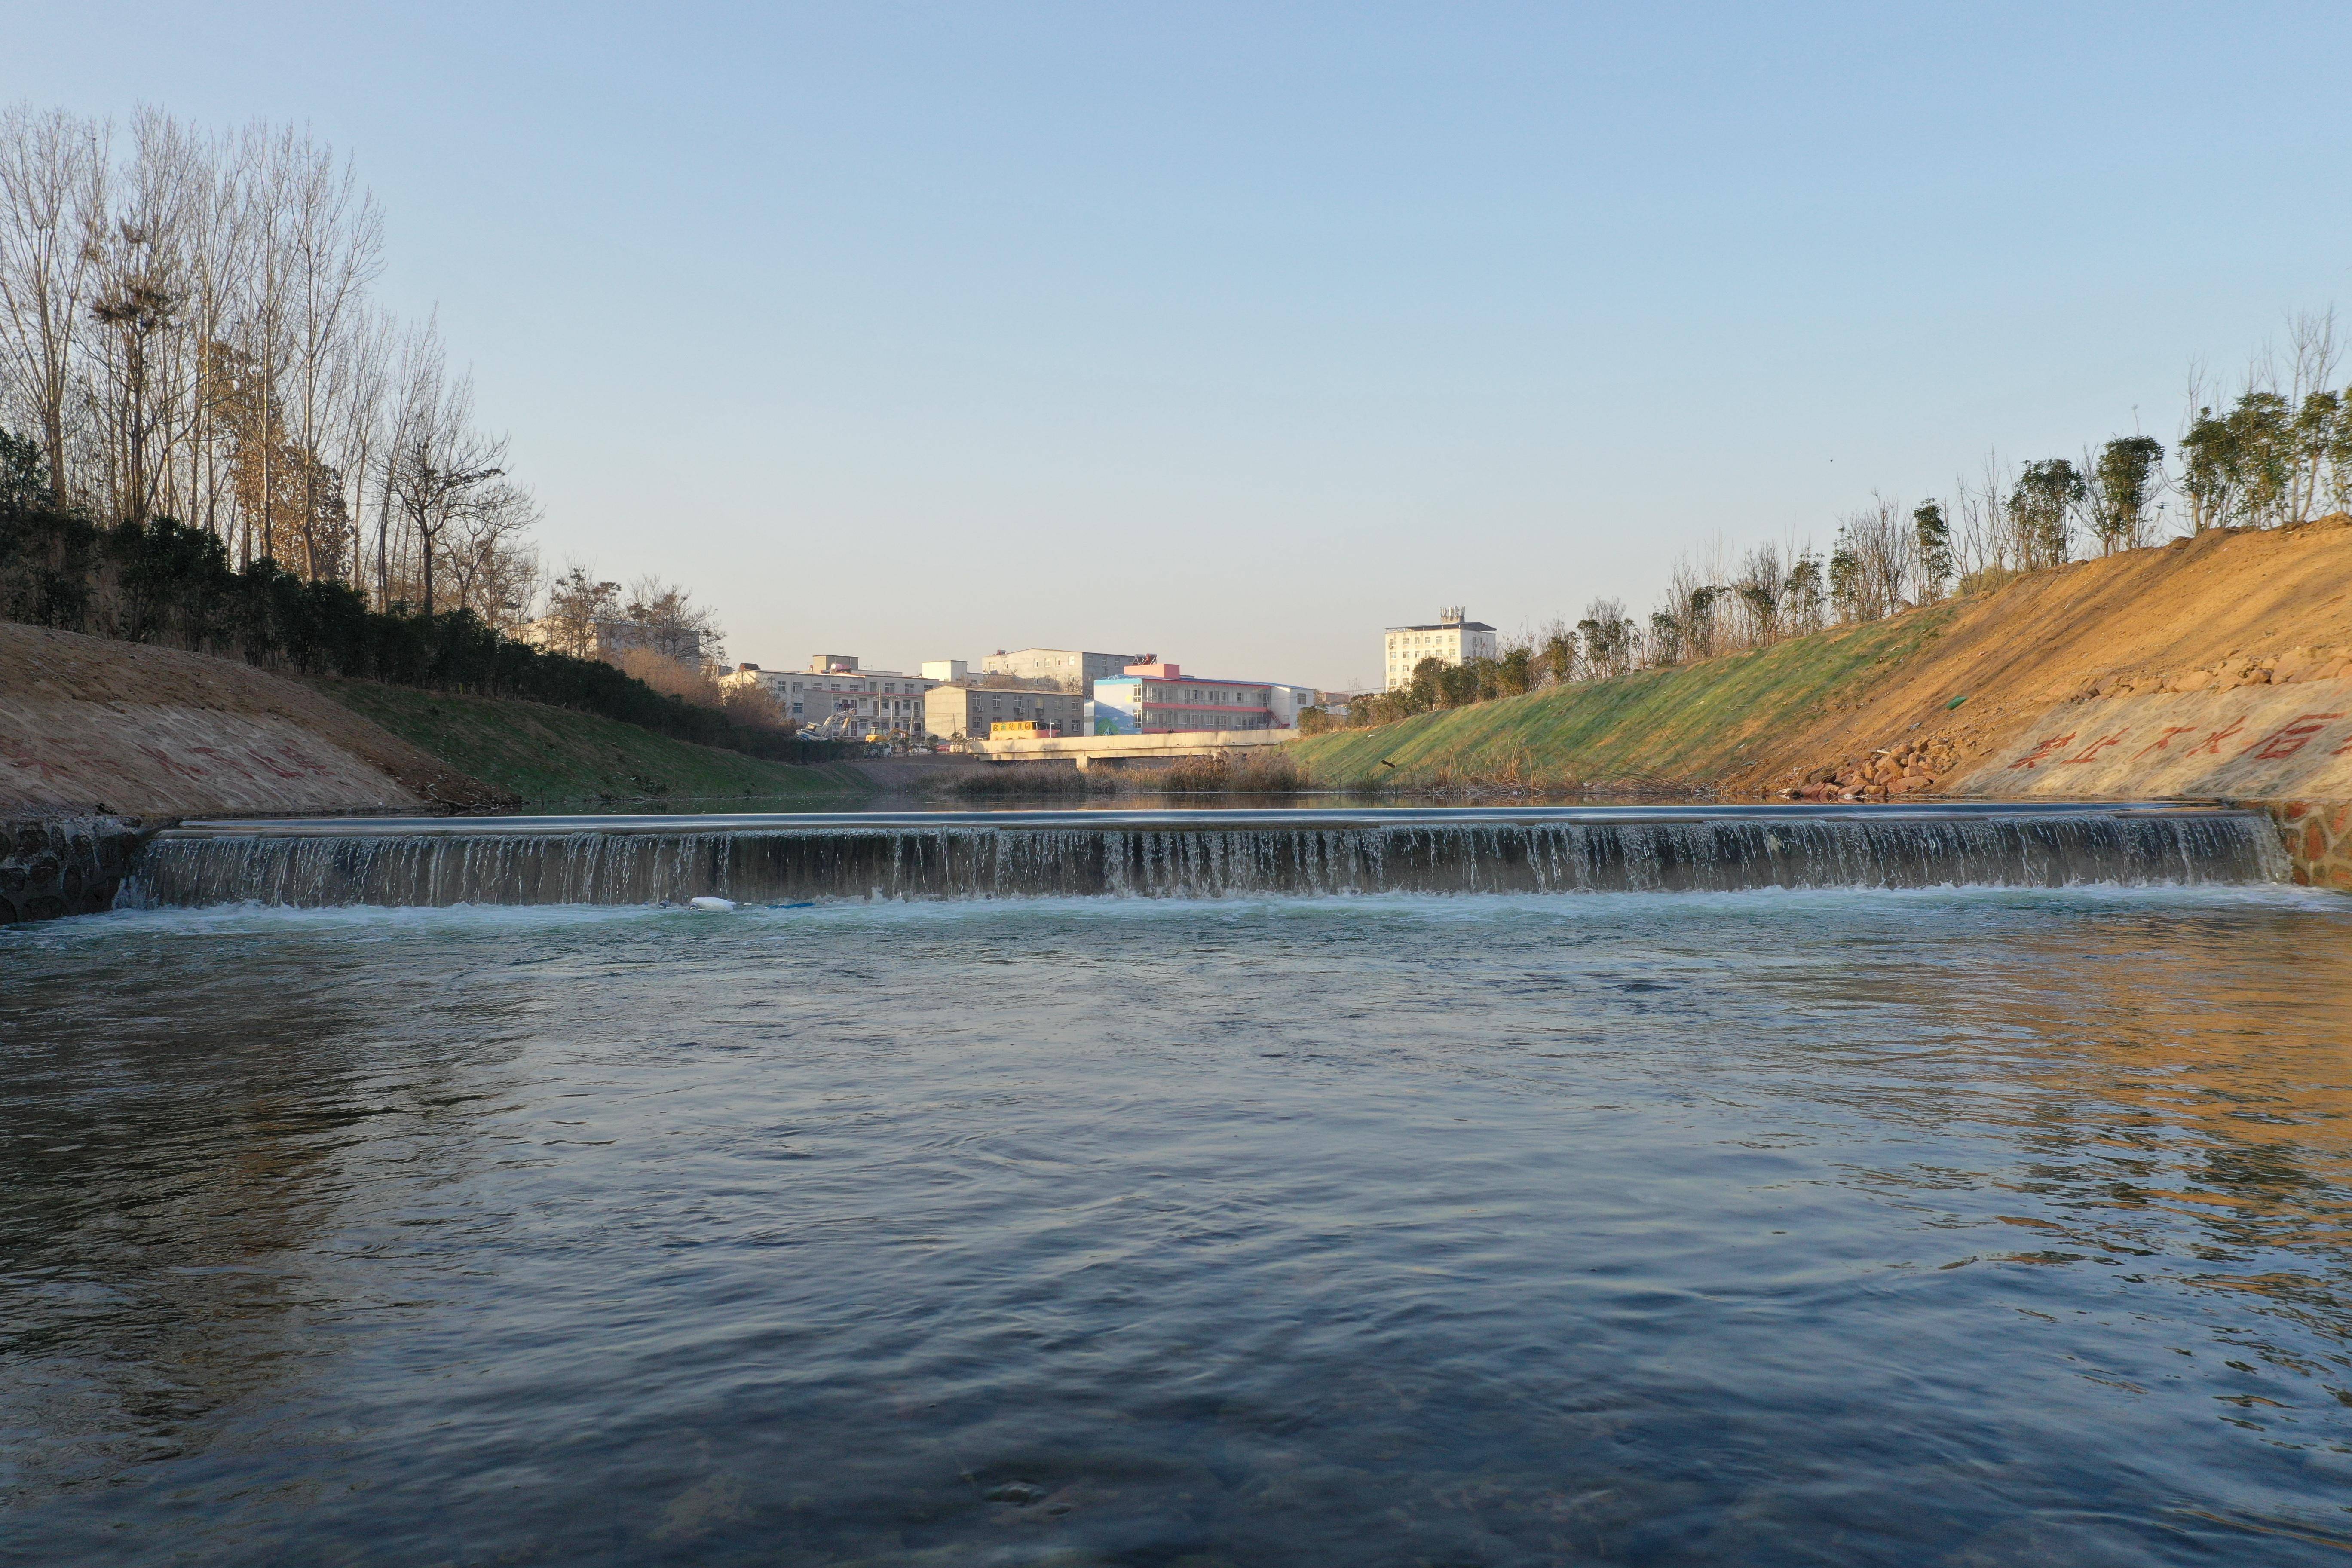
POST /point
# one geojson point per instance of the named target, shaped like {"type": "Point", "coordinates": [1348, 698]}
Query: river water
{"type": "Point", "coordinates": [1937, 1227]}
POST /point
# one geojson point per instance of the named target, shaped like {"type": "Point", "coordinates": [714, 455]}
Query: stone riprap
{"type": "Point", "coordinates": [63, 866]}
{"type": "Point", "coordinates": [2319, 835]}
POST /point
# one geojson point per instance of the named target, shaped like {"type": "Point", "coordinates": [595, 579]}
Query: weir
{"type": "Point", "coordinates": [1195, 853]}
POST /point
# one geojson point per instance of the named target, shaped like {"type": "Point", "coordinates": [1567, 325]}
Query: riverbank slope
{"type": "Point", "coordinates": [1967, 675]}
{"type": "Point", "coordinates": [1952, 699]}
{"type": "Point", "coordinates": [91, 726]}
{"type": "Point", "coordinates": [556, 755]}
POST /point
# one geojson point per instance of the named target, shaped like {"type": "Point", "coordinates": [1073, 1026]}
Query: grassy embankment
{"type": "Point", "coordinates": [555, 755]}
{"type": "Point", "coordinates": [1661, 729]}
{"type": "Point", "coordinates": [1969, 674]}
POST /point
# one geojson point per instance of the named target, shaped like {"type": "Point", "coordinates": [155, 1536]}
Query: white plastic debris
{"type": "Point", "coordinates": [716, 906]}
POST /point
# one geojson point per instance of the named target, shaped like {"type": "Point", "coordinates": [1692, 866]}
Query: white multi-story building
{"type": "Point", "coordinates": [1449, 638]}
{"type": "Point", "coordinates": [1069, 669]}
{"type": "Point", "coordinates": [1157, 698]}
{"type": "Point", "coordinates": [833, 692]}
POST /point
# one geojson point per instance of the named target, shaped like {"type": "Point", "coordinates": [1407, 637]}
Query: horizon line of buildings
{"type": "Point", "coordinates": [1078, 691]}
{"type": "Point", "coordinates": [1056, 692]}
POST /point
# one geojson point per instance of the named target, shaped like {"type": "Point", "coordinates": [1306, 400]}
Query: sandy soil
{"type": "Point", "coordinates": [87, 723]}
{"type": "Point", "coordinates": [2225, 598]}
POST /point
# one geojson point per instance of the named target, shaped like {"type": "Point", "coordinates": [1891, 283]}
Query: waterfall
{"type": "Point", "coordinates": [1194, 853]}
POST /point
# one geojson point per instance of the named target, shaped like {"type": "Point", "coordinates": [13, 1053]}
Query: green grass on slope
{"type": "Point", "coordinates": [555, 754]}
{"type": "Point", "coordinates": [1693, 723]}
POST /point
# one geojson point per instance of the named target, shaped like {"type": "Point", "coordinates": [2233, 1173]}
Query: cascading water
{"type": "Point", "coordinates": [1194, 854]}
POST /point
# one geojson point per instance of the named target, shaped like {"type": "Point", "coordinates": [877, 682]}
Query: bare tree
{"type": "Point", "coordinates": [1684, 626]}
{"type": "Point", "coordinates": [673, 625]}
{"type": "Point", "coordinates": [1983, 538]}
{"type": "Point", "coordinates": [362, 384]}
{"type": "Point", "coordinates": [139, 273]}
{"type": "Point", "coordinates": [187, 331]}
{"type": "Point", "coordinates": [492, 572]}
{"type": "Point", "coordinates": [269, 159]}
{"type": "Point", "coordinates": [333, 241]}
{"type": "Point", "coordinates": [576, 603]}
{"type": "Point", "coordinates": [436, 462]}
{"type": "Point", "coordinates": [1872, 560]}
{"type": "Point", "coordinates": [53, 169]}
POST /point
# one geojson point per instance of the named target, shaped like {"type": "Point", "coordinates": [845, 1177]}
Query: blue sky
{"type": "Point", "coordinates": [1235, 334]}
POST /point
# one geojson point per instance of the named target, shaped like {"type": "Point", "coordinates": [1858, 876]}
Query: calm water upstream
{"type": "Point", "coordinates": [1950, 1226]}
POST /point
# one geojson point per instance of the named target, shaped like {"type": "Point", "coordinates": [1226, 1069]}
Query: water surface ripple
{"type": "Point", "coordinates": [1948, 1226]}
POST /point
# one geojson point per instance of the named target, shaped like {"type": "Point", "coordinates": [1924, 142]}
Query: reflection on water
{"type": "Point", "coordinates": [1772, 1229]}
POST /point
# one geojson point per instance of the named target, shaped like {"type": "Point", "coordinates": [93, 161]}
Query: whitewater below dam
{"type": "Point", "coordinates": [1510, 1195]}
{"type": "Point", "coordinates": [1210, 853]}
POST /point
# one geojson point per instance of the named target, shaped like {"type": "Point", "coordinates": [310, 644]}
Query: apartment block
{"type": "Point", "coordinates": [1160, 698]}
{"type": "Point", "coordinates": [832, 692]}
{"type": "Point", "coordinates": [1450, 637]}
{"type": "Point", "coordinates": [1069, 669]}
{"type": "Point", "coordinates": [966, 712]}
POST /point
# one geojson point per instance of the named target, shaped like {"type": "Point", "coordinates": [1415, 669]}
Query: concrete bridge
{"type": "Point", "coordinates": [1087, 751]}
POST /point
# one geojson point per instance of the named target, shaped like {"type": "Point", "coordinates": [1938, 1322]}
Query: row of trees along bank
{"type": "Point", "coordinates": [187, 331]}
{"type": "Point", "coordinates": [223, 443]}
{"type": "Point", "coordinates": [163, 582]}
{"type": "Point", "coordinates": [2276, 454]}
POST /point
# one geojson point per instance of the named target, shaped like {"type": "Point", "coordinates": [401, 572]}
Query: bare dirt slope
{"type": "Point", "coordinates": [87, 725]}
{"type": "Point", "coordinates": [1947, 686]}
{"type": "Point", "coordinates": [2225, 610]}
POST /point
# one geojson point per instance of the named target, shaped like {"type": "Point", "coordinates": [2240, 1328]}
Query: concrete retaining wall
{"type": "Point", "coordinates": [2285, 747]}
{"type": "Point", "coordinates": [63, 866]}
{"type": "Point", "coordinates": [2260, 742]}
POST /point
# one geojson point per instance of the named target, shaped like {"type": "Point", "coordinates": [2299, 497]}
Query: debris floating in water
{"type": "Point", "coordinates": [714, 906]}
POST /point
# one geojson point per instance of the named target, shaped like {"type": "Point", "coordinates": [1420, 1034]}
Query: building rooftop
{"type": "Point", "coordinates": [1088, 653]}
{"type": "Point", "coordinates": [1172, 678]}
{"type": "Point", "coordinates": [1446, 627]}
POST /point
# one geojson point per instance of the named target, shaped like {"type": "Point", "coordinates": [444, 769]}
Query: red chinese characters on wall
{"type": "Point", "coordinates": [2091, 750]}
{"type": "Point", "coordinates": [2284, 740]}
{"type": "Point", "coordinates": [2211, 744]}
{"type": "Point", "coordinates": [2290, 737]}
{"type": "Point", "coordinates": [2041, 753]}
{"type": "Point", "coordinates": [2163, 742]}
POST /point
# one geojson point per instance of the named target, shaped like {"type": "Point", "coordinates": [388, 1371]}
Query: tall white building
{"type": "Point", "coordinates": [1449, 638]}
